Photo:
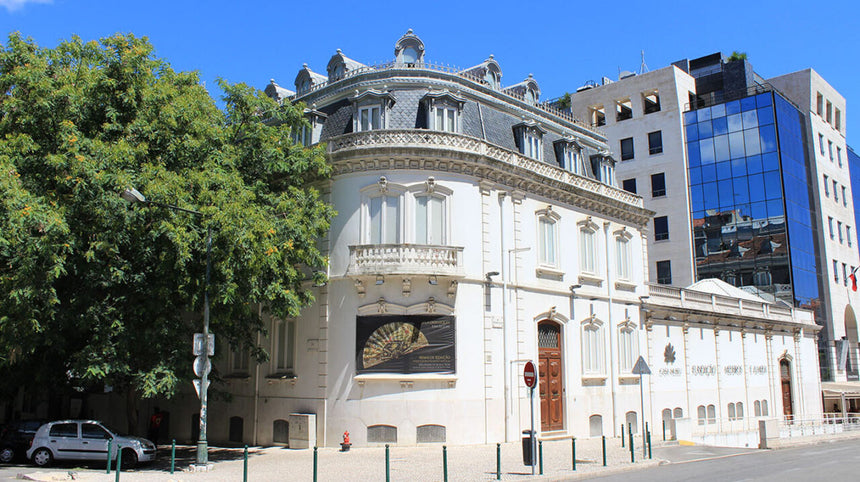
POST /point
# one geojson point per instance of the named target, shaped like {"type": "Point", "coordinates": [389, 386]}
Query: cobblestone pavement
{"type": "Point", "coordinates": [415, 463]}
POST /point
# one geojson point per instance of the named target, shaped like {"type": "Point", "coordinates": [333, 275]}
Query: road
{"type": "Point", "coordinates": [835, 460]}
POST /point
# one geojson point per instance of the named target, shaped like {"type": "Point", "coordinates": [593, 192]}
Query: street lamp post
{"type": "Point", "coordinates": [134, 196]}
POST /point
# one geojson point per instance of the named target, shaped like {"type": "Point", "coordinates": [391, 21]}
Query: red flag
{"type": "Point", "coordinates": [853, 278]}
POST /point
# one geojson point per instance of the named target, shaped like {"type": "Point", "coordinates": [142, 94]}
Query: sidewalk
{"type": "Point", "coordinates": [414, 463]}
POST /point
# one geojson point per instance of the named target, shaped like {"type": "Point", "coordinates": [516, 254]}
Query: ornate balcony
{"type": "Point", "coordinates": [376, 259]}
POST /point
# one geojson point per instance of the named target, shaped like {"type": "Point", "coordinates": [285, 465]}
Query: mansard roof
{"type": "Point", "coordinates": [520, 89]}
{"type": "Point", "coordinates": [409, 41]}
{"type": "Point", "coordinates": [480, 70]}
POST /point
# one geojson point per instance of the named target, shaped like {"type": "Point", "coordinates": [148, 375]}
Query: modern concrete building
{"type": "Point", "coordinates": [740, 199]}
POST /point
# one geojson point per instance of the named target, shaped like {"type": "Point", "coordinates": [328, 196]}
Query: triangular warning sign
{"type": "Point", "coordinates": [641, 368]}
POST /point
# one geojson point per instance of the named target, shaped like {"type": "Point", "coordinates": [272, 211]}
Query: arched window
{"type": "Point", "coordinates": [702, 414]}
{"type": "Point", "coordinates": [592, 347]}
{"type": "Point", "coordinates": [712, 414]}
{"type": "Point", "coordinates": [547, 237]}
{"type": "Point", "coordinates": [679, 412]}
{"type": "Point", "coordinates": [430, 433]}
{"type": "Point", "coordinates": [382, 434]}
{"type": "Point", "coordinates": [739, 407]}
{"type": "Point", "coordinates": [757, 408]}
{"type": "Point", "coordinates": [595, 425]}
{"type": "Point", "coordinates": [764, 408]}
{"type": "Point", "coordinates": [632, 423]}
{"type": "Point", "coordinates": [731, 411]}
{"type": "Point", "coordinates": [281, 432]}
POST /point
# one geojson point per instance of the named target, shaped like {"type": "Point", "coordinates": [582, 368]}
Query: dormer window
{"type": "Point", "coordinates": [488, 71]}
{"type": "Point", "coordinates": [604, 168]}
{"type": "Point", "coordinates": [371, 110]}
{"type": "Point", "coordinates": [409, 49]}
{"type": "Point", "coordinates": [340, 65]}
{"type": "Point", "coordinates": [527, 90]}
{"type": "Point", "coordinates": [307, 79]}
{"type": "Point", "coordinates": [528, 136]}
{"type": "Point", "coordinates": [568, 154]}
{"type": "Point", "coordinates": [443, 111]}
{"type": "Point", "coordinates": [309, 133]}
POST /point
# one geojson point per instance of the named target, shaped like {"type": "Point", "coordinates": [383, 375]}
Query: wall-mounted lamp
{"type": "Point", "coordinates": [433, 281]}
{"type": "Point", "coordinates": [380, 279]}
{"type": "Point", "coordinates": [573, 288]}
{"type": "Point", "coordinates": [490, 274]}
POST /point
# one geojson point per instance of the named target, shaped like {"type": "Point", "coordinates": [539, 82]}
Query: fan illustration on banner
{"type": "Point", "coordinates": [391, 341]}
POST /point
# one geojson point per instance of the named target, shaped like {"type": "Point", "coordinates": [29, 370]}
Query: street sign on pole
{"type": "Point", "coordinates": [530, 374]}
{"type": "Point", "coordinates": [202, 366]}
{"type": "Point", "coordinates": [196, 383]}
{"type": "Point", "coordinates": [641, 368]}
{"type": "Point", "coordinates": [198, 344]}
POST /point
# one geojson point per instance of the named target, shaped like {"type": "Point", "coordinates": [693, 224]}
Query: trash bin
{"type": "Point", "coordinates": [527, 447]}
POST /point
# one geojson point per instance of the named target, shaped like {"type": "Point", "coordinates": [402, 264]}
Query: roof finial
{"type": "Point", "coordinates": [409, 32]}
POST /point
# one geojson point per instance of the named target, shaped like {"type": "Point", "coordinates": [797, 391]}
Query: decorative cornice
{"type": "Point", "coordinates": [419, 149]}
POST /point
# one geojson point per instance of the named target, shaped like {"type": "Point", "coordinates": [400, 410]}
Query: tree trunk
{"type": "Point", "coordinates": [131, 411]}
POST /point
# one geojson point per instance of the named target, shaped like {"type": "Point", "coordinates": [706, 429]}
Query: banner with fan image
{"type": "Point", "coordinates": [404, 344]}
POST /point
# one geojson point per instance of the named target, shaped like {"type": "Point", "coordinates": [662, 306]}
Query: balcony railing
{"type": "Point", "coordinates": [428, 138]}
{"type": "Point", "coordinates": [376, 259]}
{"type": "Point", "coordinates": [714, 303]}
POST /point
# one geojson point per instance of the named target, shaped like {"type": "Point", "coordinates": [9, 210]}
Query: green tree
{"type": "Point", "coordinates": [737, 56]}
{"type": "Point", "coordinates": [99, 292]}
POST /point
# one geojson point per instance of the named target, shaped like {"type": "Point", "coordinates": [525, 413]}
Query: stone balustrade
{"type": "Point", "coordinates": [406, 259]}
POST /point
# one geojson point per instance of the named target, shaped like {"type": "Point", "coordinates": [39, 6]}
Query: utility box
{"type": "Point", "coordinates": [303, 430]}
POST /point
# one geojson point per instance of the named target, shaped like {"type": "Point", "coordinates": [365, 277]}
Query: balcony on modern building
{"type": "Point", "coordinates": [405, 259]}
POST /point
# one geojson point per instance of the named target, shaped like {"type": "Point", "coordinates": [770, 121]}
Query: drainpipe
{"type": "Point", "coordinates": [506, 335]}
{"type": "Point", "coordinates": [611, 329]}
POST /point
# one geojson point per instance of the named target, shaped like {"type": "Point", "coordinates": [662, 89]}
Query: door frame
{"type": "Point", "coordinates": [559, 350]}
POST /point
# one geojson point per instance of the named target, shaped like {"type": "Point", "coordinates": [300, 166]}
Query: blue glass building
{"type": "Point", "coordinates": [854, 168]}
{"type": "Point", "coordinates": [751, 205]}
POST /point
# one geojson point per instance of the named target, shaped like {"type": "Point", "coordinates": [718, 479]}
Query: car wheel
{"type": "Point", "coordinates": [129, 458]}
{"type": "Point", "coordinates": [6, 455]}
{"type": "Point", "coordinates": [42, 457]}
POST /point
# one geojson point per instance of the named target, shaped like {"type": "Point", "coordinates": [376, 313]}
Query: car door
{"type": "Point", "coordinates": [64, 440]}
{"type": "Point", "coordinates": [94, 441]}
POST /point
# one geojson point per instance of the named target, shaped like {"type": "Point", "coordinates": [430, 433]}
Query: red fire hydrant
{"type": "Point", "coordinates": [345, 445]}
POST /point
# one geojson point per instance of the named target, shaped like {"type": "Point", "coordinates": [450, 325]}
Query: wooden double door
{"type": "Point", "coordinates": [551, 381]}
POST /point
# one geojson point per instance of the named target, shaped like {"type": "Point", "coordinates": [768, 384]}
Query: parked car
{"type": "Point", "coordinates": [86, 440]}
{"type": "Point", "coordinates": [16, 437]}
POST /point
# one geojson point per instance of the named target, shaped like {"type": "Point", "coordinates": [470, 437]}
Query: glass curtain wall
{"type": "Point", "coordinates": [747, 202]}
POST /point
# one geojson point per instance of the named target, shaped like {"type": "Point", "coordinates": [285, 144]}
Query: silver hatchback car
{"type": "Point", "coordinates": [86, 440]}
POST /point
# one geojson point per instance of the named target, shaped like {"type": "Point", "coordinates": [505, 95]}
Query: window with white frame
{"type": "Point", "coordinates": [430, 219]}
{"type": "Point", "coordinates": [622, 254]}
{"type": "Point", "coordinates": [592, 347]}
{"type": "Point", "coordinates": [547, 236]}
{"type": "Point", "coordinates": [587, 247]}
{"type": "Point", "coordinates": [239, 359]}
{"type": "Point", "coordinates": [369, 118]}
{"type": "Point", "coordinates": [443, 110]}
{"type": "Point", "coordinates": [381, 208]}
{"type": "Point", "coordinates": [284, 346]}
{"type": "Point", "coordinates": [844, 196]}
{"type": "Point", "coordinates": [567, 153]}
{"type": "Point", "coordinates": [628, 347]}
{"type": "Point", "coordinates": [529, 135]}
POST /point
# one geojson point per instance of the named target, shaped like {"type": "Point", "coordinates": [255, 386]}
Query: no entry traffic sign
{"type": "Point", "coordinates": [530, 374]}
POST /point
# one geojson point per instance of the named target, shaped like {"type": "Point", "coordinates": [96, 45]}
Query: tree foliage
{"type": "Point", "coordinates": [97, 291]}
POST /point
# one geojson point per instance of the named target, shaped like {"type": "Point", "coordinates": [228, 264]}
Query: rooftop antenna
{"type": "Point", "coordinates": [643, 68]}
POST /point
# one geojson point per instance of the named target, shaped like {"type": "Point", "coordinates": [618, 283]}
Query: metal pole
{"type": "Point", "coordinates": [387, 466]}
{"type": "Point", "coordinates": [110, 442]}
{"type": "Point", "coordinates": [664, 429]}
{"type": "Point", "coordinates": [642, 411]}
{"type": "Point", "coordinates": [644, 441]}
{"type": "Point", "coordinates": [649, 444]}
{"type": "Point", "coordinates": [315, 463]}
{"type": "Point", "coordinates": [498, 461]}
{"type": "Point", "coordinates": [540, 455]}
{"type": "Point", "coordinates": [622, 435]}
{"type": "Point", "coordinates": [245, 467]}
{"type": "Point", "coordinates": [573, 452]}
{"type": "Point", "coordinates": [118, 461]}
{"type": "Point", "coordinates": [630, 434]}
{"type": "Point", "coordinates": [172, 456]}
{"type": "Point", "coordinates": [532, 433]}
{"type": "Point", "coordinates": [445, 463]}
{"type": "Point", "coordinates": [603, 442]}
{"type": "Point", "coordinates": [202, 445]}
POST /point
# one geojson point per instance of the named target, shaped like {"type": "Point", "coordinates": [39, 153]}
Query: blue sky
{"type": "Point", "coordinates": [564, 44]}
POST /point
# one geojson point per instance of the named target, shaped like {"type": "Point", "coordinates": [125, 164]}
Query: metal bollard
{"type": "Point", "coordinates": [245, 467]}
{"type": "Point", "coordinates": [172, 456]}
{"type": "Point", "coordinates": [387, 466]}
{"type": "Point", "coordinates": [498, 461]}
{"type": "Point", "coordinates": [622, 435]}
{"type": "Point", "coordinates": [630, 434]}
{"type": "Point", "coordinates": [445, 463]}
{"type": "Point", "coordinates": [573, 452]}
{"type": "Point", "coordinates": [540, 456]}
{"type": "Point", "coordinates": [315, 463]}
{"type": "Point", "coordinates": [603, 442]}
{"type": "Point", "coordinates": [110, 442]}
{"type": "Point", "coordinates": [649, 445]}
{"type": "Point", "coordinates": [118, 461]}
{"type": "Point", "coordinates": [664, 430]}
